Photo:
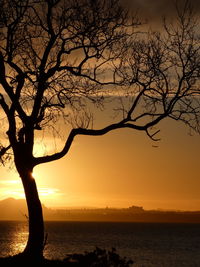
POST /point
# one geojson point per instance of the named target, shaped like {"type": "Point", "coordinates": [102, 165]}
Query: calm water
{"type": "Point", "coordinates": [158, 245]}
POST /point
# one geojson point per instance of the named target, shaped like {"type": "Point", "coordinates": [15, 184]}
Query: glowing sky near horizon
{"type": "Point", "coordinates": [122, 168]}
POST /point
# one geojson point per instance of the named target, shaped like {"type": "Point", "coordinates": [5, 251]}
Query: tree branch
{"type": "Point", "coordinates": [3, 150]}
{"type": "Point", "coordinates": [9, 90]}
{"type": "Point", "coordinates": [92, 132]}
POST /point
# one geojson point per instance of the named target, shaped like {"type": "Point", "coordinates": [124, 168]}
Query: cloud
{"type": "Point", "coordinates": [13, 188]}
{"type": "Point", "coordinates": [155, 9]}
{"type": "Point", "coordinates": [10, 182]}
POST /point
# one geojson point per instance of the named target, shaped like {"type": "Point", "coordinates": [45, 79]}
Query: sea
{"type": "Point", "coordinates": [147, 244]}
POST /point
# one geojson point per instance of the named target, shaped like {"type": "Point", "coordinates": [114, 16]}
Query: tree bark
{"type": "Point", "coordinates": [35, 243]}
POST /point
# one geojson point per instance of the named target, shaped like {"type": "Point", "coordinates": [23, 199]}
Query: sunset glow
{"type": "Point", "coordinates": [122, 173]}
{"type": "Point", "coordinates": [122, 168]}
{"type": "Point", "coordinates": [100, 132]}
{"type": "Point", "coordinates": [13, 188]}
{"type": "Point", "coordinates": [33, 175]}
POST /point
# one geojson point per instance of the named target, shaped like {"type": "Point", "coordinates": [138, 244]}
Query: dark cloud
{"type": "Point", "coordinates": [155, 9]}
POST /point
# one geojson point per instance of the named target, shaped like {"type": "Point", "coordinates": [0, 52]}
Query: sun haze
{"type": "Point", "coordinates": [120, 169]}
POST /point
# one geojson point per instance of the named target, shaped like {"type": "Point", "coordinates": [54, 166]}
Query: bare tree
{"type": "Point", "coordinates": [57, 55]}
{"type": "Point", "coordinates": [162, 70]}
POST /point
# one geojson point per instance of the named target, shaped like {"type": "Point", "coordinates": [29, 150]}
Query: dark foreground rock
{"type": "Point", "coordinates": [97, 258]}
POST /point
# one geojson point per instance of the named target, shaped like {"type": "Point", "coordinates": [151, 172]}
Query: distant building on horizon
{"type": "Point", "coordinates": [136, 209]}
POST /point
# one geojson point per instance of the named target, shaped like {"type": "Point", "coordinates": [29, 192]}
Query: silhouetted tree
{"type": "Point", "coordinates": [56, 56]}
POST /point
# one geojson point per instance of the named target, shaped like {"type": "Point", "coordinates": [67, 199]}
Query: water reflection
{"type": "Point", "coordinates": [147, 244]}
{"type": "Point", "coordinates": [13, 237]}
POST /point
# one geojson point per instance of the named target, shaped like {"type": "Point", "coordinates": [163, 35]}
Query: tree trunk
{"type": "Point", "coordinates": [35, 244]}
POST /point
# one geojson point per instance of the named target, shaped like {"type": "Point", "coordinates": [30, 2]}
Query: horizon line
{"type": "Point", "coordinates": [105, 207]}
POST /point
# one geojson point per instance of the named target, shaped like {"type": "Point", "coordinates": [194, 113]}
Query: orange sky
{"type": "Point", "coordinates": [120, 169]}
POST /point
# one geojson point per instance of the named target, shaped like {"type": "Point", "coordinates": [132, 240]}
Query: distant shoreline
{"type": "Point", "coordinates": [146, 217]}
{"type": "Point", "coordinates": [15, 210]}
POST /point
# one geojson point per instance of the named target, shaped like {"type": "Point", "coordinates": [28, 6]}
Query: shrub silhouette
{"type": "Point", "coordinates": [99, 258]}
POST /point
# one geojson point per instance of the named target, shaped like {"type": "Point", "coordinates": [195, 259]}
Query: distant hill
{"type": "Point", "coordinates": [15, 209]}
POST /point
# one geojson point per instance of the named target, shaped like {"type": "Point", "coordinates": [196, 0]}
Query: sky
{"type": "Point", "coordinates": [156, 8]}
{"type": "Point", "coordinates": [122, 168]}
